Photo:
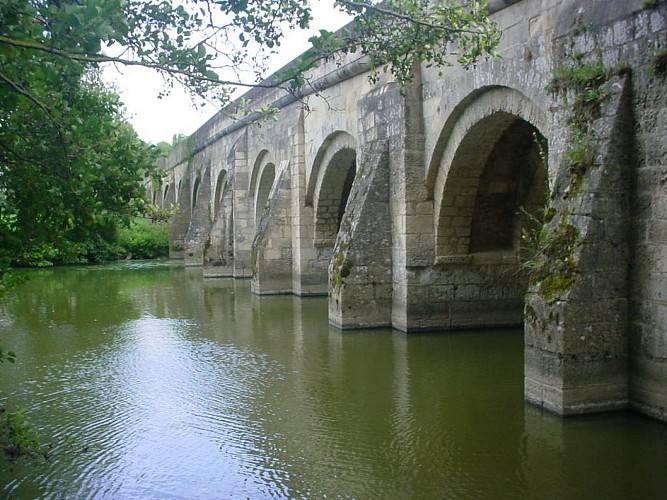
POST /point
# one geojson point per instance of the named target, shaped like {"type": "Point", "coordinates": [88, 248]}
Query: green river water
{"type": "Point", "coordinates": [148, 381]}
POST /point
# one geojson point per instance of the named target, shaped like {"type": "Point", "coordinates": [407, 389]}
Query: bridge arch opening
{"type": "Point", "coordinates": [168, 193]}
{"type": "Point", "coordinates": [512, 189]}
{"type": "Point", "coordinates": [496, 186]}
{"type": "Point", "coordinates": [493, 186]}
{"type": "Point", "coordinates": [261, 182]}
{"type": "Point", "coordinates": [195, 192]}
{"type": "Point", "coordinates": [263, 190]}
{"type": "Point", "coordinates": [330, 184]}
{"type": "Point", "coordinates": [333, 194]}
{"type": "Point", "coordinates": [152, 194]}
{"type": "Point", "coordinates": [220, 185]}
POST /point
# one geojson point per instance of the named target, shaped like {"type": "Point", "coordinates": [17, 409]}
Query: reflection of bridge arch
{"type": "Point", "coordinates": [491, 170]}
{"type": "Point", "coordinates": [263, 175]}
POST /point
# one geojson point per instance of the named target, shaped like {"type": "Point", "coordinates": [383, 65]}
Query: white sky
{"type": "Point", "coordinates": [158, 120]}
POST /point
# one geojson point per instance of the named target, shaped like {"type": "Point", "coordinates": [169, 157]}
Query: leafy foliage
{"type": "Point", "coordinates": [212, 45]}
{"type": "Point", "coordinates": [552, 264]}
{"type": "Point", "coordinates": [397, 34]}
{"type": "Point", "coordinates": [190, 40]}
{"type": "Point", "coordinates": [70, 166]}
{"type": "Point", "coordinates": [8, 356]}
{"type": "Point", "coordinates": [17, 436]}
{"type": "Point", "coordinates": [143, 240]}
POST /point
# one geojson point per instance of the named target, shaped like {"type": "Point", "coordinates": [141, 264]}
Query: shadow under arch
{"type": "Point", "coordinates": [180, 221]}
{"type": "Point", "coordinates": [167, 196]}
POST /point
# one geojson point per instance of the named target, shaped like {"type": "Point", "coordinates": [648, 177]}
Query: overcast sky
{"type": "Point", "coordinates": [158, 120]}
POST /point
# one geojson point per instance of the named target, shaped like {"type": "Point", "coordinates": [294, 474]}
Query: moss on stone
{"type": "Point", "coordinates": [659, 66]}
{"type": "Point", "coordinates": [253, 262]}
{"type": "Point", "coordinates": [341, 267]}
{"type": "Point", "coordinates": [582, 87]}
{"type": "Point", "coordinates": [553, 267]}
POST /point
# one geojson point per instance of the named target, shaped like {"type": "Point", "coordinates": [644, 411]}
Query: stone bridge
{"type": "Point", "coordinates": [531, 189]}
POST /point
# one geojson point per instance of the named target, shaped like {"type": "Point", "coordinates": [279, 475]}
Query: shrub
{"type": "Point", "coordinates": [143, 240]}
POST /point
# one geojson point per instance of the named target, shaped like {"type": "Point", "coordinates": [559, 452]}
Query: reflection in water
{"type": "Point", "coordinates": [153, 383]}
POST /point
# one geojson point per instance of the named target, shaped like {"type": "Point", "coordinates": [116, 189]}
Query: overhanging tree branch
{"type": "Point", "coordinates": [102, 58]}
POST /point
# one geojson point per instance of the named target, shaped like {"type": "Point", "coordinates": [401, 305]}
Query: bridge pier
{"type": "Point", "coordinates": [360, 269]}
{"type": "Point", "coordinates": [180, 221]}
{"type": "Point", "coordinates": [271, 260]}
{"type": "Point", "coordinates": [244, 224]}
{"type": "Point", "coordinates": [309, 259]}
{"type": "Point", "coordinates": [576, 355]}
{"type": "Point", "coordinates": [200, 218]}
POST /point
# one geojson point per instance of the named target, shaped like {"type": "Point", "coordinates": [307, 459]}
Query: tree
{"type": "Point", "coordinates": [397, 34]}
{"type": "Point", "coordinates": [70, 166]}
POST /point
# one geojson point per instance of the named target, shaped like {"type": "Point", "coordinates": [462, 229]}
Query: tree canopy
{"type": "Point", "coordinates": [71, 167]}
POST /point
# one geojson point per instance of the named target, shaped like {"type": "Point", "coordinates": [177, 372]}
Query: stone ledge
{"type": "Point", "coordinates": [444, 260]}
{"type": "Point", "coordinates": [498, 257]}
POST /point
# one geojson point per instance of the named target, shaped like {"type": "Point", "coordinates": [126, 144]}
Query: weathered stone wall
{"type": "Point", "coordinates": [642, 40]}
{"type": "Point", "coordinates": [453, 178]}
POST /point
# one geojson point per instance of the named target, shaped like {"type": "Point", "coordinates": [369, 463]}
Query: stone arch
{"type": "Point", "coordinates": [184, 194]}
{"type": "Point", "coordinates": [219, 250]}
{"type": "Point", "coordinates": [180, 221]}
{"type": "Point", "coordinates": [334, 143]}
{"type": "Point", "coordinates": [179, 192]}
{"type": "Point", "coordinates": [166, 194]}
{"type": "Point", "coordinates": [263, 175]}
{"type": "Point", "coordinates": [152, 194]}
{"type": "Point", "coordinates": [195, 192]}
{"type": "Point", "coordinates": [512, 189]}
{"type": "Point", "coordinates": [491, 172]}
{"type": "Point", "coordinates": [330, 184]}
{"type": "Point", "coordinates": [220, 186]}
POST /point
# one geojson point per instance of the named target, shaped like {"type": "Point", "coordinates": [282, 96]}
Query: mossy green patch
{"type": "Point", "coordinates": [553, 266]}
{"type": "Point", "coordinates": [253, 262]}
